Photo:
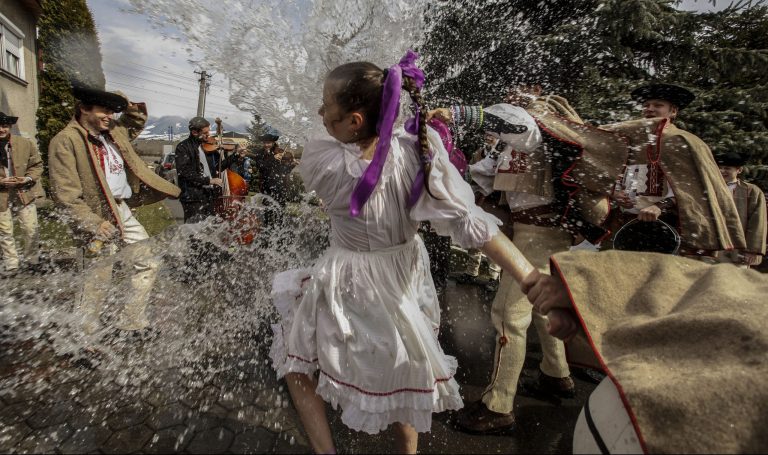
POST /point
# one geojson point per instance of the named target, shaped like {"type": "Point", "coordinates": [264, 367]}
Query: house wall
{"type": "Point", "coordinates": [20, 97]}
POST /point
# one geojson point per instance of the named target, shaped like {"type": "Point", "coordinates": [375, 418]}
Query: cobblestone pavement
{"type": "Point", "coordinates": [50, 403]}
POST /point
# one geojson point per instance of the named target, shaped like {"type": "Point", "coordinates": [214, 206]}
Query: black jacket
{"type": "Point", "coordinates": [190, 171]}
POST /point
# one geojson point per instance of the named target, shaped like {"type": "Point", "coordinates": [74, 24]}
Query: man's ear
{"type": "Point", "coordinates": [536, 89]}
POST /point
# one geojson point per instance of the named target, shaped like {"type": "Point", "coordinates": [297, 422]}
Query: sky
{"type": "Point", "coordinates": [141, 61]}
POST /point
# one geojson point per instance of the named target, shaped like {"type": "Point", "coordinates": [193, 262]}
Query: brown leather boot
{"type": "Point", "coordinates": [561, 387]}
{"type": "Point", "coordinates": [476, 418]}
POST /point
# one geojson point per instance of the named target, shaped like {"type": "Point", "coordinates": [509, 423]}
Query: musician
{"type": "Point", "coordinates": [196, 178]}
{"type": "Point", "coordinates": [274, 165]}
{"type": "Point", "coordinates": [241, 163]}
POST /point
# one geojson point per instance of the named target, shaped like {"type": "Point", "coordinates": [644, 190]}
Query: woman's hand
{"type": "Point", "coordinates": [550, 297]}
{"type": "Point", "coordinates": [545, 292]}
{"type": "Point", "coordinates": [562, 324]}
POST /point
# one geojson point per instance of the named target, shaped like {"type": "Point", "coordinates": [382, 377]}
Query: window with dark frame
{"type": "Point", "coordinates": [11, 48]}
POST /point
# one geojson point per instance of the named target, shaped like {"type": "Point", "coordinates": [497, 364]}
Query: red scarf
{"type": "Point", "coordinates": [655, 173]}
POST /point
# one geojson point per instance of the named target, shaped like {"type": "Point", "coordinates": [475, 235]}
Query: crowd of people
{"type": "Point", "coordinates": [358, 329]}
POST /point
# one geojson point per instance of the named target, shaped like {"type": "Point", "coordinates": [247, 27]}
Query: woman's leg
{"type": "Point", "coordinates": [406, 438]}
{"type": "Point", "coordinates": [311, 409]}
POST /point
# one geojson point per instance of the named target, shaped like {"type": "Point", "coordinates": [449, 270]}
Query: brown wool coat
{"type": "Point", "coordinates": [26, 163]}
{"type": "Point", "coordinates": [683, 341]}
{"type": "Point", "coordinates": [602, 156]}
{"type": "Point", "coordinates": [78, 184]}
{"type": "Point", "coordinates": [708, 219]}
{"type": "Point", "coordinates": [750, 203]}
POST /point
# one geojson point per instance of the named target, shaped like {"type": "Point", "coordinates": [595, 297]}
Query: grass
{"type": "Point", "coordinates": [55, 235]}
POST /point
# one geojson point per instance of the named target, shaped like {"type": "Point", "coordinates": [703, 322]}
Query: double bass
{"type": "Point", "coordinates": [230, 205]}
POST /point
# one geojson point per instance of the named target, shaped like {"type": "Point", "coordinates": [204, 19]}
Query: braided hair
{"type": "Point", "coordinates": [425, 155]}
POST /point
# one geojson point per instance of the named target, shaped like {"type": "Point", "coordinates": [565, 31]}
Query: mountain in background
{"type": "Point", "coordinates": [159, 127]}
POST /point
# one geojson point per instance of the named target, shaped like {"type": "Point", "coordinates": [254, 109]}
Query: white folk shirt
{"type": "Point", "coordinates": [7, 166]}
{"type": "Point", "coordinates": [117, 178]}
{"type": "Point", "coordinates": [635, 183]}
{"type": "Point", "coordinates": [204, 162]}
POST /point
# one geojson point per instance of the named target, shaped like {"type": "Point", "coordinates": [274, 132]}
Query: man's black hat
{"type": "Point", "coordinates": [731, 159]}
{"type": "Point", "coordinates": [96, 97]}
{"type": "Point", "coordinates": [7, 119]}
{"type": "Point", "coordinates": [679, 96]}
{"type": "Point", "coordinates": [650, 236]}
{"type": "Point", "coordinates": [271, 135]}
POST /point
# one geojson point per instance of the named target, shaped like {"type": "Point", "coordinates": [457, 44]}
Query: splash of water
{"type": "Point", "coordinates": [276, 53]}
{"type": "Point", "coordinates": [208, 311]}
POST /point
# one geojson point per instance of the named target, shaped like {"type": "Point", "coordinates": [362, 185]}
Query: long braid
{"type": "Point", "coordinates": [425, 156]}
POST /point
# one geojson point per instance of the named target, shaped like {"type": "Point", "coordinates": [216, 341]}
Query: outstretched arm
{"type": "Point", "coordinates": [504, 253]}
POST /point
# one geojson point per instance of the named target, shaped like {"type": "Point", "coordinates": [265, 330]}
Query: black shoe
{"type": "Point", "coordinates": [548, 388]}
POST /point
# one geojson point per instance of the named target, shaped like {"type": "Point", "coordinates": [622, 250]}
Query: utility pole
{"type": "Point", "coordinates": [204, 84]}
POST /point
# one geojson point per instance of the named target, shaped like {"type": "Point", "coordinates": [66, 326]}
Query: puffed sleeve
{"type": "Point", "coordinates": [322, 166]}
{"type": "Point", "coordinates": [452, 210]}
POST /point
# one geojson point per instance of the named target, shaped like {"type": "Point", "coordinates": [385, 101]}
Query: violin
{"type": "Point", "coordinates": [210, 145]}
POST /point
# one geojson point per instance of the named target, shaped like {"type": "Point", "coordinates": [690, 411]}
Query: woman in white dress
{"type": "Point", "coordinates": [359, 329]}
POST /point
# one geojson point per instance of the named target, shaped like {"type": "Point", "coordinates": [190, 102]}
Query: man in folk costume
{"type": "Point", "coordinates": [750, 203]}
{"type": "Point", "coordinates": [557, 175]}
{"type": "Point", "coordinates": [681, 341]}
{"type": "Point", "coordinates": [671, 175]}
{"type": "Point", "coordinates": [20, 172]}
{"type": "Point", "coordinates": [96, 177]}
{"type": "Point", "coordinates": [196, 177]}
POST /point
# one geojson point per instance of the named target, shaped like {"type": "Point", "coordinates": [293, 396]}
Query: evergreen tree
{"type": "Point", "coordinates": [70, 51]}
{"type": "Point", "coordinates": [596, 52]}
{"type": "Point", "coordinates": [258, 128]}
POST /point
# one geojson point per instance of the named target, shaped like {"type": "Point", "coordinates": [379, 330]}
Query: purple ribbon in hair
{"type": "Point", "coordinates": [390, 104]}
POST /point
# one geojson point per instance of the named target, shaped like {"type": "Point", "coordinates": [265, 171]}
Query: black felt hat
{"type": "Point", "coordinates": [7, 119]}
{"type": "Point", "coordinates": [271, 134]}
{"type": "Point", "coordinates": [679, 96]}
{"type": "Point", "coordinates": [650, 236]}
{"type": "Point", "coordinates": [97, 97]}
{"type": "Point", "coordinates": [731, 159]}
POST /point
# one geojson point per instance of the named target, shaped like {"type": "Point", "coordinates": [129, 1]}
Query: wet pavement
{"type": "Point", "coordinates": [54, 403]}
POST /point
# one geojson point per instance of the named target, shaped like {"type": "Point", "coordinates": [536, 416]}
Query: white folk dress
{"type": "Point", "coordinates": [366, 315]}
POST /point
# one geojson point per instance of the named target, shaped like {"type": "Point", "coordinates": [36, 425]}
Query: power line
{"type": "Point", "coordinates": [134, 64]}
{"type": "Point", "coordinates": [223, 109]}
{"type": "Point", "coordinates": [220, 105]}
{"type": "Point", "coordinates": [185, 90]}
{"type": "Point", "coordinates": [157, 70]}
